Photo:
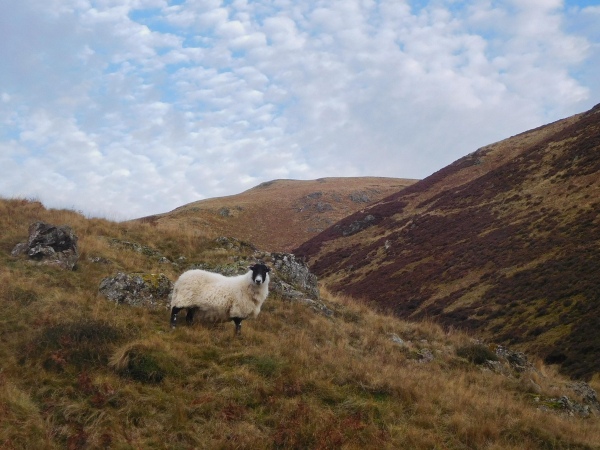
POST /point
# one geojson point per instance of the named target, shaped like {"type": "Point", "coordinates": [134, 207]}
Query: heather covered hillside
{"type": "Point", "coordinates": [279, 215]}
{"type": "Point", "coordinates": [505, 242]}
{"type": "Point", "coordinates": [80, 371]}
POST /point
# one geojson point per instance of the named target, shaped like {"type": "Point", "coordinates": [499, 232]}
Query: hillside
{"type": "Point", "coordinates": [80, 372]}
{"type": "Point", "coordinates": [281, 214]}
{"type": "Point", "coordinates": [505, 241]}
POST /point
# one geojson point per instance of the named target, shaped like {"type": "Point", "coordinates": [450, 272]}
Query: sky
{"type": "Point", "coordinates": [126, 108]}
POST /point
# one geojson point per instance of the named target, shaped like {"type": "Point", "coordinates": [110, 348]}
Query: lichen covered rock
{"type": "Point", "coordinates": [295, 272]}
{"type": "Point", "coordinates": [137, 289]}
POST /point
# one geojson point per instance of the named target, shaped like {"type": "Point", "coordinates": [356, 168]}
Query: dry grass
{"type": "Point", "coordinates": [76, 371]}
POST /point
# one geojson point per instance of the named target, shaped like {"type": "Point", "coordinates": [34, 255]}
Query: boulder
{"type": "Point", "coordinates": [360, 197]}
{"type": "Point", "coordinates": [51, 245]}
{"type": "Point", "coordinates": [137, 289]}
{"type": "Point", "coordinates": [231, 243]}
{"type": "Point", "coordinates": [292, 271]}
{"type": "Point", "coordinates": [588, 394]}
{"type": "Point", "coordinates": [518, 361]}
{"type": "Point", "coordinates": [356, 226]}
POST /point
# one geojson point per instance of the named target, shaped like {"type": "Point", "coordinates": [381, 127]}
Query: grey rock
{"type": "Point", "coordinates": [224, 212]}
{"type": "Point", "coordinates": [19, 249]}
{"type": "Point", "coordinates": [295, 272]}
{"type": "Point", "coordinates": [356, 226]}
{"type": "Point", "coordinates": [315, 195]}
{"type": "Point", "coordinates": [99, 260]}
{"type": "Point", "coordinates": [397, 339]}
{"type": "Point", "coordinates": [323, 207]}
{"type": "Point", "coordinates": [584, 390]}
{"type": "Point", "coordinates": [387, 244]}
{"type": "Point", "coordinates": [425, 355]}
{"type": "Point", "coordinates": [518, 361]}
{"type": "Point", "coordinates": [359, 197]}
{"type": "Point", "coordinates": [565, 402]}
{"type": "Point", "coordinates": [232, 243]}
{"type": "Point", "coordinates": [164, 260]}
{"type": "Point", "coordinates": [50, 245]}
{"type": "Point", "coordinates": [137, 289]}
{"type": "Point", "coordinates": [497, 367]}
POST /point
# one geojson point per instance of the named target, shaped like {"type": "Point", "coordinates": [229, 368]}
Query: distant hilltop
{"type": "Point", "coordinates": [280, 215]}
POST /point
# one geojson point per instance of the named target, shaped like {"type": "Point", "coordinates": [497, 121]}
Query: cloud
{"type": "Point", "coordinates": [142, 105]}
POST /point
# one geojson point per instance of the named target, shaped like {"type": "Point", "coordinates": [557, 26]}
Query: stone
{"type": "Point", "coordinates": [232, 243]}
{"type": "Point", "coordinates": [19, 249]}
{"type": "Point", "coordinates": [294, 272]}
{"type": "Point", "coordinates": [397, 339]}
{"type": "Point", "coordinates": [497, 367]}
{"type": "Point", "coordinates": [314, 195]}
{"type": "Point", "coordinates": [517, 360]}
{"type": "Point", "coordinates": [425, 355]}
{"type": "Point", "coordinates": [50, 245]}
{"type": "Point", "coordinates": [164, 260]}
{"type": "Point", "coordinates": [137, 289]}
{"type": "Point", "coordinates": [588, 394]}
{"type": "Point", "coordinates": [356, 226]}
{"type": "Point", "coordinates": [224, 212]}
{"type": "Point", "coordinates": [323, 207]}
{"type": "Point", "coordinates": [99, 260]}
{"type": "Point", "coordinates": [359, 197]}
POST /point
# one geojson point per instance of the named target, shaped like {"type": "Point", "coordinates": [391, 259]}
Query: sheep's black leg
{"type": "Point", "coordinates": [189, 317]}
{"type": "Point", "coordinates": [238, 325]}
{"type": "Point", "coordinates": [174, 312]}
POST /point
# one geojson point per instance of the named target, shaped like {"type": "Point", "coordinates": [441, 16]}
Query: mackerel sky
{"type": "Point", "coordinates": [124, 108]}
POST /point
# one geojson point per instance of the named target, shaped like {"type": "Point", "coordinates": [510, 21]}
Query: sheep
{"type": "Point", "coordinates": [217, 298]}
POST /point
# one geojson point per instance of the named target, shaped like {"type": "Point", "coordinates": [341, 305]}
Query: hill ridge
{"type": "Point", "coordinates": [468, 244]}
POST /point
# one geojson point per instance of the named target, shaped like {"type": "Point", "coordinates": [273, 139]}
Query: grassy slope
{"type": "Point", "coordinates": [294, 380]}
{"type": "Point", "coordinates": [505, 241]}
{"type": "Point", "coordinates": [281, 214]}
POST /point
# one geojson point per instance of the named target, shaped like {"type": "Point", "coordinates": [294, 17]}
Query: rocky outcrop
{"type": "Point", "coordinates": [231, 243]}
{"type": "Point", "coordinates": [586, 392]}
{"type": "Point", "coordinates": [137, 289]}
{"type": "Point", "coordinates": [356, 226]}
{"type": "Point", "coordinates": [50, 245]}
{"type": "Point", "coordinates": [360, 197]}
{"type": "Point", "coordinates": [294, 272]}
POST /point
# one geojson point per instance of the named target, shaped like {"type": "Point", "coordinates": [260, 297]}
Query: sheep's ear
{"type": "Point", "coordinates": [251, 267]}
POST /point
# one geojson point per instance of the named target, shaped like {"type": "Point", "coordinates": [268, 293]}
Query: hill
{"type": "Point", "coordinates": [80, 372]}
{"type": "Point", "coordinates": [279, 215]}
{"type": "Point", "coordinates": [505, 241]}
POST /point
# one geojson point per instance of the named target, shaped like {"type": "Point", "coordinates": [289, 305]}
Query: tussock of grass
{"type": "Point", "coordinates": [76, 371]}
{"type": "Point", "coordinates": [476, 353]}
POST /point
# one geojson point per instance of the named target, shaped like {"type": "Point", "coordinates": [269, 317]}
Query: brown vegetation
{"type": "Point", "coordinates": [504, 241]}
{"type": "Point", "coordinates": [281, 214]}
{"type": "Point", "coordinates": [77, 371]}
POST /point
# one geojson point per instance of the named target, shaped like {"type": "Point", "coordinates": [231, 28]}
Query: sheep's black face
{"type": "Point", "coordinates": [260, 273]}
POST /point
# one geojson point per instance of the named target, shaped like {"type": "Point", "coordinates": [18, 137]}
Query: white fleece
{"type": "Point", "coordinates": [219, 298]}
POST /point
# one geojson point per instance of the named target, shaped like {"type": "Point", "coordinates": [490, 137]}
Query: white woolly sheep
{"type": "Point", "coordinates": [220, 299]}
